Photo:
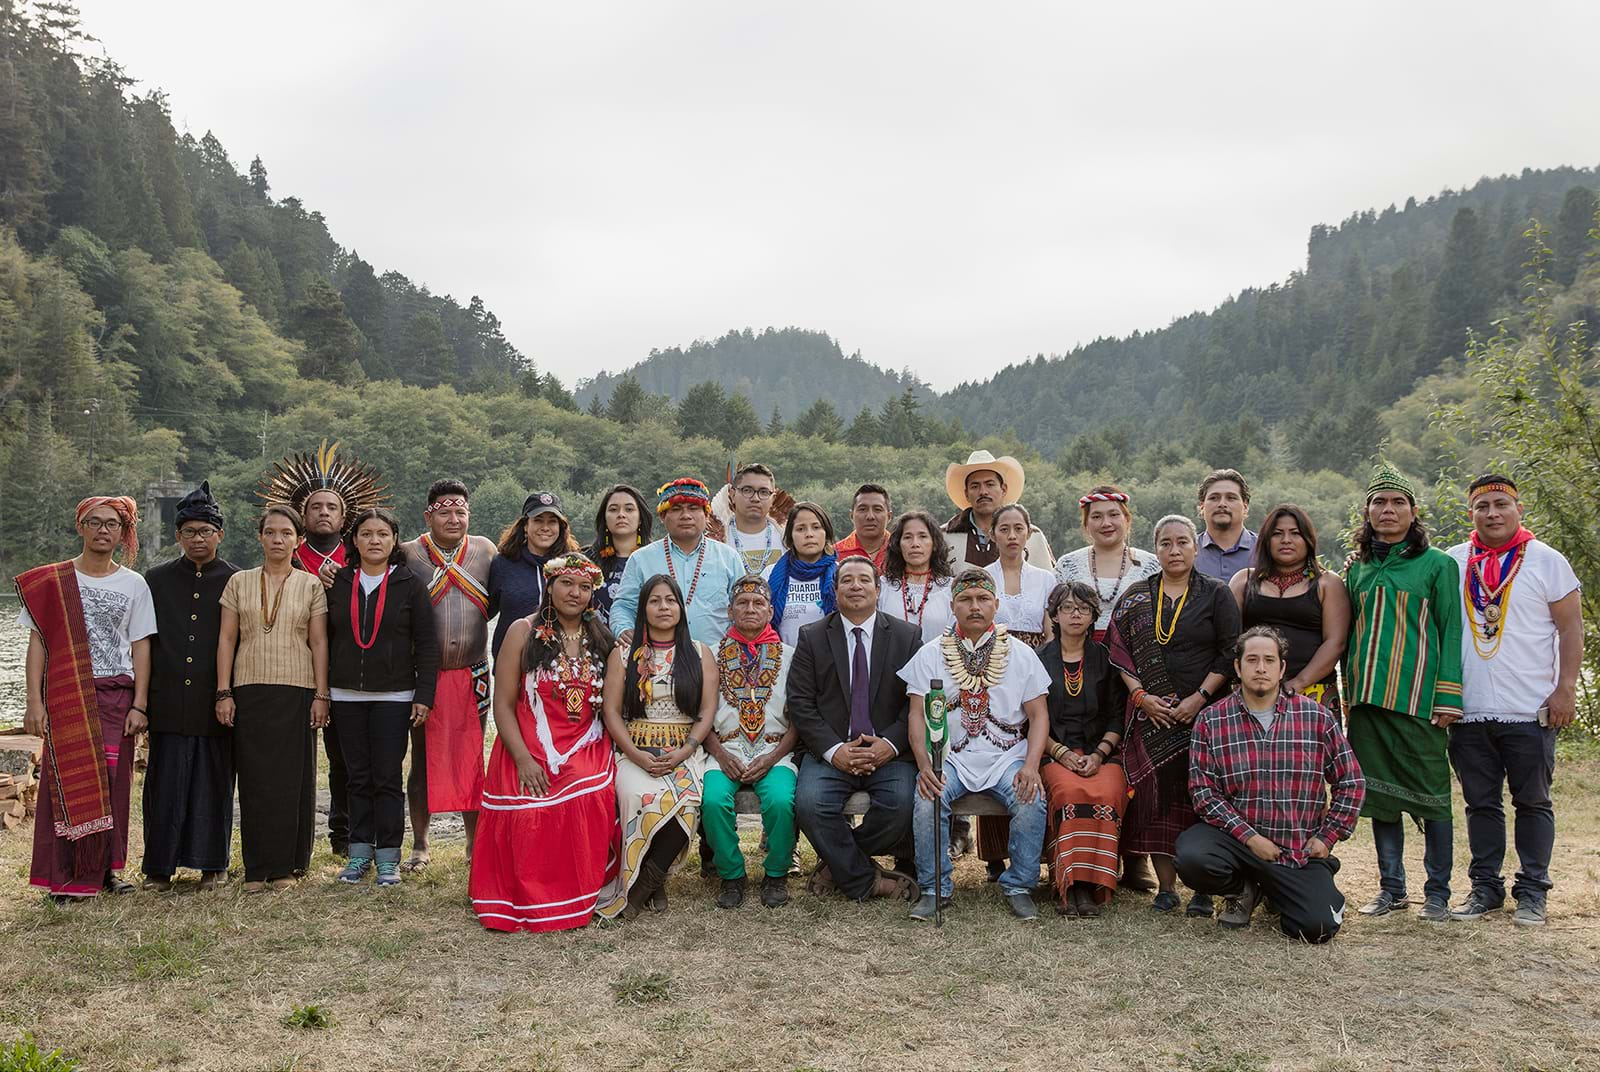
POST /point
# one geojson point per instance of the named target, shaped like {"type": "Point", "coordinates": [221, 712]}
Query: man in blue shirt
{"type": "Point", "coordinates": [1226, 546]}
{"type": "Point", "coordinates": [704, 569]}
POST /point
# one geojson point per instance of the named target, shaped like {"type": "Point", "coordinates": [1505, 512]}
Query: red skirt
{"type": "Point", "coordinates": [53, 856]}
{"type": "Point", "coordinates": [539, 863]}
{"type": "Point", "coordinates": [1085, 823]}
{"type": "Point", "coordinates": [454, 741]}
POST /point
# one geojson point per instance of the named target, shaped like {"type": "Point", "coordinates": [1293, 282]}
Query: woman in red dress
{"type": "Point", "coordinates": [547, 833]}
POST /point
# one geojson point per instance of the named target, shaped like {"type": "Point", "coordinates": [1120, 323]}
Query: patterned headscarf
{"type": "Point", "coordinates": [1387, 478]}
{"type": "Point", "coordinates": [573, 564]}
{"type": "Point", "coordinates": [127, 510]}
{"type": "Point", "coordinates": [685, 489]}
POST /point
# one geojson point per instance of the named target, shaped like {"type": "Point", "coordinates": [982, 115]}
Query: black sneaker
{"type": "Point", "coordinates": [775, 891]}
{"type": "Point", "coordinates": [1385, 903]}
{"type": "Point", "coordinates": [1435, 910]}
{"type": "Point", "coordinates": [1529, 913]}
{"type": "Point", "coordinates": [732, 895]}
{"type": "Point", "coordinates": [1200, 907]}
{"type": "Point", "coordinates": [1478, 905]}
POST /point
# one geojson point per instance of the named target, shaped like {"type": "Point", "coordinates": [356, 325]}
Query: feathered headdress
{"type": "Point", "coordinates": [292, 480]}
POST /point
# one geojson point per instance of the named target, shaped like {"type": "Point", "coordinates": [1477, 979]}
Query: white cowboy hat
{"type": "Point", "coordinates": [1010, 470]}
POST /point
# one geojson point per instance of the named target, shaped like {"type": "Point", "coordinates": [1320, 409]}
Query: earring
{"type": "Point", "coordinates": [546, 629]}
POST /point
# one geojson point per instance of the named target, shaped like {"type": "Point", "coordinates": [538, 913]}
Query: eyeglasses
{"type": "Point", "coordinates": [761, 494]}
{"type": "Point", "coordinates": [102, 524]}
{"type": "Point", "coordinates": [195, 534]}
{"type": "Point", "coordinates": [1074, 609]}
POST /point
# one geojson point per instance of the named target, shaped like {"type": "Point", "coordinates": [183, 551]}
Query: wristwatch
{"type": "Point", "coordinates": [1205, 694]}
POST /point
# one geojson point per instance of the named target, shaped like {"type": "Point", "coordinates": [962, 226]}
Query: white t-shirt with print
{"type": "Point", "coordinates": [117, 610]}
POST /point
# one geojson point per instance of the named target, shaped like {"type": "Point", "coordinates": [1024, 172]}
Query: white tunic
{"type": "Point", "coordinates": [981, 762]}
{"type": "Point", "coordinates": [1025, 610]}
{"type": "Point", "coordinates": [1074, 566]}
{"type": "Point", "coordinates": [936, 614]}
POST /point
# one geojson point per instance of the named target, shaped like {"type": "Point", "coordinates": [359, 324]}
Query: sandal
{"type": "Point", "coordinates": [821, 882]}
{"type": "Point", "coordinates": [905, 887]}
{"type": "Point", "coordinates": [211, 880]}
{"type": "Point", "coordinates": [417, 863]}
{"type": "Point", "coordinates": [116, 884]}
{"type": "Point", "coordinates": [255, 887]}
{"type": "Point", "coordinates": [281, 884]}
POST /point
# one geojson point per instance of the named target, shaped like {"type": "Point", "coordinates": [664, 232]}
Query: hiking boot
{"type": "Point", "coordinates": [388, 867]}
{"type": "Point", "coordinates": [356, 868]}
{"type": "Point", "coordinates": [1021, 905]}
{"type": "Point", "coordinates": [732, 895]}
{"type": "Point", "coordinates": [1200, 907]}
{"type": "Point", "coordinates": [1529, 913]}
{"type": "Point", "coordinates": [1385, 903]}
{"type": "Point", "coordinates": [1479, 903]}
{"type": "Point", "coordinates": [775, 891]}
{"type": "Point", "coordinates": [1236, 911]}
{"type": "Point", "coordinates": [927, 907]}
{"type": "Point", "coordinates": [1435, 910]}
{"type": "Point", "coordinates": [1136, 873]}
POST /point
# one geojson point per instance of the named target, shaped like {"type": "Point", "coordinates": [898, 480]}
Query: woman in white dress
{"type": "Point", "coordinates": [1022, 587]}
{"type": "Point", "coordinates": [1108, 563]}
{"type": "Point", "coordinates": [917, 574]}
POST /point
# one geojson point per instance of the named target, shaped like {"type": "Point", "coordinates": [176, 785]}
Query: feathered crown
{"type": "Point", "coordinates": [292, 480]}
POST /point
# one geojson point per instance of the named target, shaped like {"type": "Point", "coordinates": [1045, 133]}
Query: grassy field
{"type": "Point", "coordinates": [410, 981]}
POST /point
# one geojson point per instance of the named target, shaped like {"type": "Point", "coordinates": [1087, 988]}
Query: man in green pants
{"type": "Point", "coordinates": [751, 742]}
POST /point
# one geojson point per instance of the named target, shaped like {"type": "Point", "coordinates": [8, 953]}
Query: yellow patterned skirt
{"type": "Point", "coordinates": [646, 803]}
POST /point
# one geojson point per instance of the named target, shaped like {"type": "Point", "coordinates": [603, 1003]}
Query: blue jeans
{"type": "Point", "coordinates": [1024, 847]}
{"type": "Point", "coordinates": [1438, 856]}
{"type": "Point", "coordinates": [1487, 756]}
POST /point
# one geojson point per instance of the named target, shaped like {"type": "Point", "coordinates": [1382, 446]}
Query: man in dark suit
{"type": "Point", "coordinates": [849, 704]}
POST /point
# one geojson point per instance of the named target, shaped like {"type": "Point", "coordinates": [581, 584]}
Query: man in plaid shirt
{"type": "Point", "coordinates": [1260, 763]}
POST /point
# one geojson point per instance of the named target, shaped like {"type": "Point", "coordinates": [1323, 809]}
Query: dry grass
{"type": "Point", "coordinates": [206, 981]}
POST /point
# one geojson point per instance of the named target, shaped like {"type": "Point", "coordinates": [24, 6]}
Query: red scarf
{"type": "Point", "coordinates": [75, 771]}
{"type": "Point", "coordinates": [1486, 560]}
{"type": "Point", "coordinates": [768, 635]}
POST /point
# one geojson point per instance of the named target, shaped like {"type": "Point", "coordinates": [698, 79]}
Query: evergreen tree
{"type": "Point", "coordinates": [426, 358]}
{"type": "Point", "coordinates": [258, 180]}
{"type": "Point", "coordinates": [596, 409]}
{"type": "Point", "coordinates": [864, 431]}
{"type": "Point", "coordinates": [739, 421]}
{"type": "Point", "coordinates": [820, 420]}
{"type": "Point", "coordinates": [703, 411]}
{"type": "Point", "coordinates": [332, 343]}
{"type": "Point", "coordinates": [365, 301]}
{"type": "Point", "coordinates": [1571, 238]}
{"type": "Point", "coordinates": [1462, 294]}
{"type": "Point", "coordinates": [627, 403]}
{"type": "Point", "coordinates": [775, 423]}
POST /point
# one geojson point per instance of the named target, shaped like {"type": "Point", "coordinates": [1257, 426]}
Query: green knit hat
{"type": "Point", "coordinates": [1387, 478]}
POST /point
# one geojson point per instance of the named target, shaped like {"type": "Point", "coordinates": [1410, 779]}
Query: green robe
{"type": "Point", "coordinates": [1403, 665]}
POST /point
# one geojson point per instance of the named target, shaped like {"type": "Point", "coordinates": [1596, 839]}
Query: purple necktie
{"type": "Point", "coordinates": [860, 713]}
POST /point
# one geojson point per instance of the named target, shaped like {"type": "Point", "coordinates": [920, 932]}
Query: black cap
{"type": "Point", "coordinates": [543, 502]}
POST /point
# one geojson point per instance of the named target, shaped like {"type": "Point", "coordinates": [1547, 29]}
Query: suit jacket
{"type": "Point", "coordinates": [819, 682]}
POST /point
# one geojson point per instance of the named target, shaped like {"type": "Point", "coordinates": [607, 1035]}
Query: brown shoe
{"type": "Point", "coordinates": [211, 880]}
{"type": "Point", "coordinates": [255, 887]}
{"type": "Point", "coordinates": [1083, 894]}
{"type": "Point", "coordinates": [157, 885]}
{"type": "Point", "coordinates": [821, 882]}
{"type": "Point", "coordinates": [894, 884]}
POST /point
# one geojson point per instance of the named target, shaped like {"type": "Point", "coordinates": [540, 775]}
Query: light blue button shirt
{"type": "Point", "coordinates": [708, 610]}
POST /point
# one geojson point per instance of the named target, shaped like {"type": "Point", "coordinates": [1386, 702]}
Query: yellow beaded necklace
{"type": "Point", "coordinates": [1177, 612]}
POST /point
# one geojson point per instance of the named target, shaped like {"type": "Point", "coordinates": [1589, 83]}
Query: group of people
{"type": "Point", "coordinates": [1222, 706]}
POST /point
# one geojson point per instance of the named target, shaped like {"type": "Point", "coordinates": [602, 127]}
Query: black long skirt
{"type": "Point", "coordinates": [188, 803]}
{"type": "Point", "coordinates": [275, 754]}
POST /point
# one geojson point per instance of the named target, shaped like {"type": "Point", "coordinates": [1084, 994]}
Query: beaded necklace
{"type": "Point", "coordinates": [1493, 604]}
{"type": "Point", "coordinates": [746, 683]}
{"type": "Point", "coordinates": [377, 613]}
{"type": "Point", "coordinates": [1284, 582]}
{"type": "Point", "coordinates": [905, 597]}
{"type": "Point", "coordinates": [268, 620]}
{"type": "Point", "coordinates": [1073, 678]}
{"type": "Point", "coordinates": [1177, 612]}
{"type": "Point", "coordinates": [738, 545]}
{"type": "Point", "coordinates": [575, 675]}
{"type": "Point", "coordinates": [699, 561]}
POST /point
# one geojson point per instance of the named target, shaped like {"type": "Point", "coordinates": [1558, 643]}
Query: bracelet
{"type": "Point", "coordinates": [1059, 752]}
{"type": "Point", "coordinates": [1138, 697]}
{"type": "Point", "coordinates": [1107, 753]}
{"type": "Point", "coordinates": [136, 707]}
{"type": "Point", "coordinates": [224, 694]}
{"type": "Point", "coordinates": [1206, 694]}
{"type": "Point", "coordinates": [320, 696]}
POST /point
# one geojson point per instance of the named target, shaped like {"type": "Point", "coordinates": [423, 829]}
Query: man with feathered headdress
{"type": "Point", "coordinates": [748, 515]}
{"type": "Point", "coordinates": [89, 621]}
{"type": "Point", "coordinates": [327, 489]}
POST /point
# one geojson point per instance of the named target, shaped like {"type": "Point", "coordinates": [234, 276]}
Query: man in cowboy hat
{"type": "Point", "coordinates": [979, 488]}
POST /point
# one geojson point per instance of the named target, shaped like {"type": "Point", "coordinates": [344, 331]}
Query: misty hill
{"type": "Point", "coordinates": [787, 368]}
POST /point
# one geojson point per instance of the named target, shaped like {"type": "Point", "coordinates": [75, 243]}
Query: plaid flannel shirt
{"type": "Point", "coordinates": [1246, 781]}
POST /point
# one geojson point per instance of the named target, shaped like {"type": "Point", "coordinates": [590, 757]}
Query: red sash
{"type": "Point", "coordinates": [74, 754]}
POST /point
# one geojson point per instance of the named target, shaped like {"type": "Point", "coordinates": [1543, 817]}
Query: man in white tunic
{"type": "Point", "coordinates": [998, 727]}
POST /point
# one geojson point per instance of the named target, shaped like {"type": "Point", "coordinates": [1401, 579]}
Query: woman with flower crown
{"type": "Point", "coordinates": [547, 832]}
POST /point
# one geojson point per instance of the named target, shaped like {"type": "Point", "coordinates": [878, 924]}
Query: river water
{"type": "Point", "coordinates": [13, 649]}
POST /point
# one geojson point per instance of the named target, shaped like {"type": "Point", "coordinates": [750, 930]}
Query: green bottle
{"type": "Point", "coordinates": [933, 713]}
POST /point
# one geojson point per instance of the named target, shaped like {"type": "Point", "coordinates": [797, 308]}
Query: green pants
{"type": "Point", "coordinates": [775, 790]}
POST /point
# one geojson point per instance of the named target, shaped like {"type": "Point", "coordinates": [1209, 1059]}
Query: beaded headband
{"type": "Point", "coordinates": [750, 582]}
{"type": "Point", "coordinates": [685, 489]}
{"type": "Point", "coordinates": [444, 504]}
{"type": "Point", "coordinates": [1484, 489]}
{"type": "Point", "coordinates": [961, 585]}
{"type": "Point", "coordinates": [1102, 496]}
{"type": "Point", "coordinates": [573, 565]}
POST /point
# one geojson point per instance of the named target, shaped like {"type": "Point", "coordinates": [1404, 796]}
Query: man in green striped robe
{"type": "Point", "coordinates": [1402, 676]}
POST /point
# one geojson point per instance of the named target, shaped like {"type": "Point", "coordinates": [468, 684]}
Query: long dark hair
{"type": "Point", "coordinates": [602, 535]}
{"type": "Point", "coordinates": [686, 675]}
{"type": "Point", "coordinates": [514, 538]}
{"type": "Point", "coordinates": [1415, 543]}
{"type": "Point", "coordinates": [894, 563]}
{"type": "Point", "coordinates": [1262, 565]}
{"type": "Point", "coordinates": [352, 556]}
{"type": "Point", "coordinates": [537, 653]}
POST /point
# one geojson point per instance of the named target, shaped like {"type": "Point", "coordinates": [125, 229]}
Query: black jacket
{"type": "Point", "coordinates": [183, 657]}
{"type": "Point", "coordinates": [1081, 721]}
{"type": "Point", "coordinates": [819, 682]}
{"type": "Point", "coordinates": [405, 654]}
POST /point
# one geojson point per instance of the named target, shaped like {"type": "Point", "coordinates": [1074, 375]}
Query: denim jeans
{"type": "Point", "coordinates": [1438, 855]}
{"type": "Point", "coordinates": [1487, 756]}
{"type": "Point", "coordinates": [1024, 847]}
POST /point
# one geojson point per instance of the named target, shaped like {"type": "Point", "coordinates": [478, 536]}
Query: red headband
{"type": "Point", "coordinates": [445, 503]}
{"type": "Point", "coordinates": [1102, 496]}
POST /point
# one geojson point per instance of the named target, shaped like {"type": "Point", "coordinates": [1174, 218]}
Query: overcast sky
{"type": "Point", "coordinates": [950, 187]}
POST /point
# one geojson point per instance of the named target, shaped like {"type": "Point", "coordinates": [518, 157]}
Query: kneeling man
{"type": "Point", "coordinates": [1260, 763]}
{"type": "Point", "coordinates": [999, 723]}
